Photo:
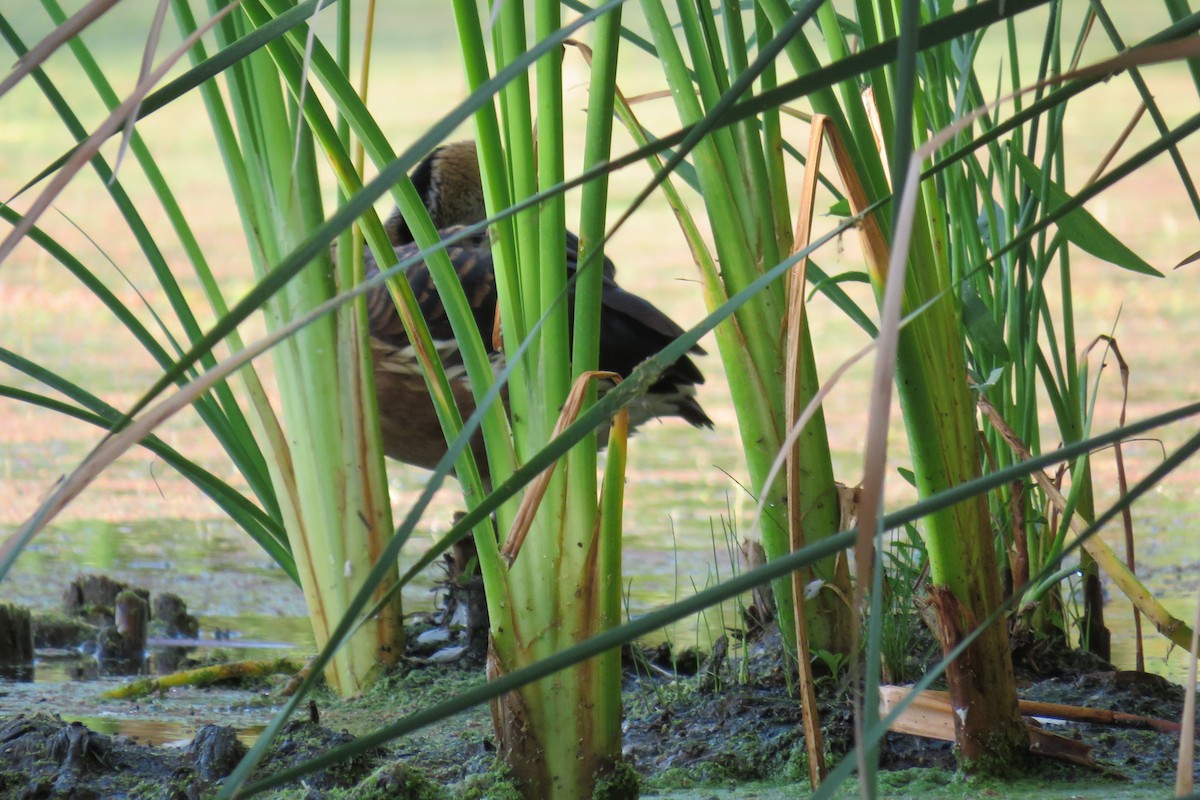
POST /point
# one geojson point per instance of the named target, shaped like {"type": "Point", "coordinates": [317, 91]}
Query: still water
{"type": "Point", "coordinates": [242, 597]}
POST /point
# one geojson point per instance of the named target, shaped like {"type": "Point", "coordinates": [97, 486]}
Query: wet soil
{"type": "Point", "coordinates": [692, 724]}
{"type": "Point", "coordinates": [715, 723]}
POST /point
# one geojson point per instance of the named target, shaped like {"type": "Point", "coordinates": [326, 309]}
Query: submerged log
{"type": "Point", "coordinates": [16, 639]}
{"type": "Point", "coordinates": [121, 649]}
{"type": "Point", "coordinates": [56, 631]}
{"type": "Point", "coordinates": [94, 597]}
{"type": "Point", "coordinates": [172, 621]}
{"type": "Point", "coordinates": [204, 676]}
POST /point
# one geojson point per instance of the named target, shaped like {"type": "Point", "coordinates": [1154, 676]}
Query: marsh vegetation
{"type": "Point", "coordinates": [1015, 254]}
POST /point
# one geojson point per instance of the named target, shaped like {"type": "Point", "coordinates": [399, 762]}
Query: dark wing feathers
{"type": "Point", "coordinates": [472, 260]}
{"type": "Point", "coordinates": [631, 328]}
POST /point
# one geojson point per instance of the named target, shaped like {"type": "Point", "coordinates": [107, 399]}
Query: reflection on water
{"type": "Point", "coordinates": [212, 565]}
{"type": "Point", "coordinates": [245, 605]}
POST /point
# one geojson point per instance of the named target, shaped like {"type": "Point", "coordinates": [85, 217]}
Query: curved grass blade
{"type": "Point", "coordinates": [200, 73]}
{"type": "Point", "coordinates": [113, 123]}
{"type": "Point", "coordinates": [1080, 227]}
{"type": "Point", "coordinates": [28, 62]}
{"type": "Point", "coordinates": [152, 40]}
{"type": "Point", "coordinates": [222, 414]}
{"type": "Point", "coordinates": [249, 517]}
{"type": "Point", "coordinates": [1150, 104]}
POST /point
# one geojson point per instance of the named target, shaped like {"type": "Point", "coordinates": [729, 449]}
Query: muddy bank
{"type": "Point", "coordinates": [717, 720]}
{"type": "Point", "coordinates": [45, 757]}
{"type": "Point", "coordinates": [704, 725]}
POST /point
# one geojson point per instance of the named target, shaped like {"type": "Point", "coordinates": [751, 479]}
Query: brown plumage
{"type": "Point", "coordinates": [631, 329]}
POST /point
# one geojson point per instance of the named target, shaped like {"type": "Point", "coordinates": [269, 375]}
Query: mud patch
{"type": "Point", "coordinates": [693, 722]}
{"type": "Point", "coordinates": [45, 757]}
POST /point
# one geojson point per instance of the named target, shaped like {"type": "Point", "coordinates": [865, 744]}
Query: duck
{"type": "Point", "coordinates": [631, 328]}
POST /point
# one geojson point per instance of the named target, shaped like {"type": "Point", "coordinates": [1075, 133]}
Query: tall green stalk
{"type": "Point", "coordinates": [562, 585]}
{"type": "Point", "coordinates": [735, 167]}
{"type": "Point", "coordinates": [328, 474]}
{"type": "Point", "coordinates": [938, 410]}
